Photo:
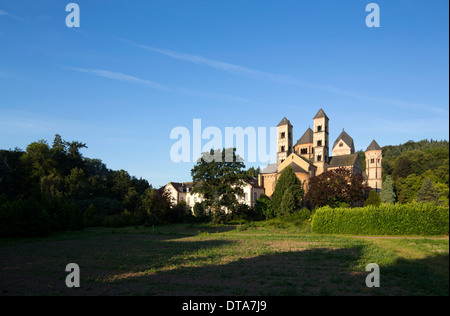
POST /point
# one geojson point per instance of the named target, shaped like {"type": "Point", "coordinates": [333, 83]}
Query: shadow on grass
{"type": "Point", "coordinates": [316, 272]}
{"type": "Point", "coordinates": [162, 263]}
{"type": "Point", "coordinates": [428, 276]}
{"type": "Point", "coordinates": [38, 267]}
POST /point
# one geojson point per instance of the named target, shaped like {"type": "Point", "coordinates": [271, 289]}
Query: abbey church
{"type": "Point", "coordinates": [310, 155]}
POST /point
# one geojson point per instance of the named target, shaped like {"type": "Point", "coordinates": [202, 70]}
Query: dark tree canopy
{"type": "Point", "coordinates": [335, 187]}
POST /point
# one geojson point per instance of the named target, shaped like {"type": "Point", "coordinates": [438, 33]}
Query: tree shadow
{"type": "Point", "coordinates": [427, 276]}
{"type": "Point", "coordinates": [178, 265]}
{"type": "Point", "coordinates": [38, 268]}
{"type": "Point", "coordinates": [310, 272]}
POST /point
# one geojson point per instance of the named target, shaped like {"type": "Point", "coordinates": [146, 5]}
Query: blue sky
{"type": "Point", "coordinates": [135, 70]}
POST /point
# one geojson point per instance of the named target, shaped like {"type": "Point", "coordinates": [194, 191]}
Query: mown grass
{"type": "Point", "coordinates": [269, 258]}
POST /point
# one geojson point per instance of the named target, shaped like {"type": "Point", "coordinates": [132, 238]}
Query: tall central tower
{"type": "Point", "coordinates": [284, 140]}
{"type": "Point", "coordinates": [321, 141]}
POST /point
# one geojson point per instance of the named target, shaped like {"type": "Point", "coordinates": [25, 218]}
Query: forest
{"type": "Point", "coordinates": [52, 187]}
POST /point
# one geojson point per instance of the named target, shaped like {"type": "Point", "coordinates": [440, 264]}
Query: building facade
{"type": "Point", "coordinates": [310, 156]}
{"type": "Point", "coordinates": [183, 192]}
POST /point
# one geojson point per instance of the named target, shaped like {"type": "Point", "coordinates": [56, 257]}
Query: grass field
{"type": "Point", "coordinates": [222, 260]}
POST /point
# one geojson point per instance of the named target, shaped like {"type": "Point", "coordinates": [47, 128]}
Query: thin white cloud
{"type": "Point", "coordinates": [283, 79]}
{"type": "Point", "coordinates": [154, 85]}
{"type": "Point", "coordinates": [121, 77]}
{"type": "Point", "coordinates": [227, 67]}
{"type": "Point", "coordinates": [4, 13]}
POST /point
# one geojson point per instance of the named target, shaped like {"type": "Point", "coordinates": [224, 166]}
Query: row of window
{"type": "Point", "coordinates": [245, 198]}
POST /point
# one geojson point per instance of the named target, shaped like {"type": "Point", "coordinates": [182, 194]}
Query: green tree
{"type": "Point", "coordinates": [39, 157]}
{"type": "Point", "coordinates": [157, 205]}
{"type": "Point", "coordinates": [52, 186]}
{"type": "Point", "coordinates": [407, 188]}
{"type": "Point", "coordinates": [373, 199]}
{"type": "Point", "coordinates": [263, 206]}
{"type": "Point", "coordinates": [91, 218]}
{"type": "Point", "coordinates": [77, 184]}
{"type": "Point", "coordinates": [199, 210]}
{"type": "Point", "coordinates": [132, 200]}
{"type": "Point", "coordinates": [428, 192]}
{"type": "Point", "coordinates": [179, 213]}
{"type": "Point", "coordinates": [402, 167]}
{"type": "Point", "coordinates": [387, 191]}
{"type": "Point", "coordinates": [120, 184]}
{"type": "Point", "coordinates": [287, 180]}
{"type": "Point", "coordinates": [219, 177]}
{"type": "Point", "coordinates": [252, 172]}
{"type": "Point", "coordinates": [6, 184]}
{"type": "Point", "coordinates": [289, 203]}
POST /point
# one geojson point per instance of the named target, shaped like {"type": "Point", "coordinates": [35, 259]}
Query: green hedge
{"type": "Point", "coordinates": [386, 219]}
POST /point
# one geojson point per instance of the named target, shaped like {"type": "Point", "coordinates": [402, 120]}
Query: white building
{"type": "Point", "coordinates": [183, 192]}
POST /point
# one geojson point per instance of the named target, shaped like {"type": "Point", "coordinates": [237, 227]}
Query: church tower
{"type": "Point", "coordinates": [320, 141]}
{"type": "Point", "coordinates": [284, 140]}
{"type": "Point", "coordinates": [373, 166]}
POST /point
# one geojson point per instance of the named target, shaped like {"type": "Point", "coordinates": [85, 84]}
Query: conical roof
{"type": "Point", "coordinates": [307, 138]}
{"type": "Point", "coordinates": [373, 146]}
{"type": "Point", "coordinates": [320, 114]}
{"type": "Point", "coordinates": [284, 121]}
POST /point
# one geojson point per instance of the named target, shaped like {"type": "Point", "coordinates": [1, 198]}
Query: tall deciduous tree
{"type": "Point", "coordinates": [39, 157]}
{"type": "Point", "coordinates": [219, 181]}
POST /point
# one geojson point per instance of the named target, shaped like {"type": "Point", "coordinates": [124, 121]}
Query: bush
{"type": "Point", "coordinates": [374, 199]}
{"type": "Point", "coordinates": [302, 215]}
{"type": "Point", "coordinates": [23, 219]}
{"type": "Point", "coordinates": [263, 207]}
{"type": "Point", "coordinates": [245, 212]}
{"type": "Point", "coordinates": [75, 219]}
{"type": "Point", "coordinates": [179, 213]}
{"type": "Point", "coordinates": [199, 210]}
{"type": "Point", "coordinates": [387, 219]}
{"type": "Point", "coordinates": [115, 221]}
{"type": "Point", "coordinates": [297, 220]}
{"type": "Point", "coordinates": [91, 218]}
{"type": "Point", "coordinates": [104, 206]}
